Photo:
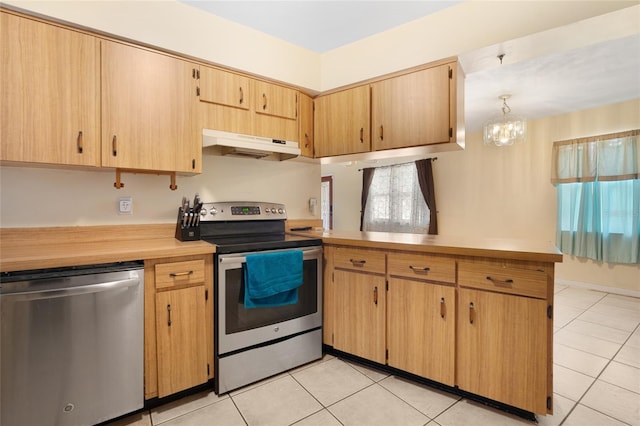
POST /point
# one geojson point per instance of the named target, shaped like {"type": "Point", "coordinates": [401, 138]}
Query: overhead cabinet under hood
{"type": "Point", "coordinates": [239, 145]}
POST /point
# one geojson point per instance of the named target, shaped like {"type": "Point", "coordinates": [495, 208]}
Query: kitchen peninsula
{"type": "Point", "coordinates": [476, 315]}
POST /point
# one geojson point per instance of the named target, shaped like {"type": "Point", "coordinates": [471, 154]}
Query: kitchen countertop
{"type": "Point", "coordinates": [502, 248]}
{"type": "Point", "coordinates": [35, 248]}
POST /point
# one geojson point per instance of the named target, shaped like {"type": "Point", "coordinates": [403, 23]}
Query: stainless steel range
{"type": "Point", "coordinates": [255, 342]}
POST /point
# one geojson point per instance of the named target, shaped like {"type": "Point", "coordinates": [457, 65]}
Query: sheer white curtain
{"type": "Point", "coordinates": [395, 202]}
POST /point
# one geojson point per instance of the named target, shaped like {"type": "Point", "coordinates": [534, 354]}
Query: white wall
{"type": "Point", "coordinates": [506, 192]}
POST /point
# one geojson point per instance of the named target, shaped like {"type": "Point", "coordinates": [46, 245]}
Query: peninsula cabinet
{"type": "Point", "coordinates": [149, 111]}
{"type": "Point", "coordinates": [412, 109]}
{"type": "Point", "coordinates": [50, 90]}
{"type": "Point", "coordinates": [178, 324]}
{"type": "Point", "coordinates": [342, 122]}
{"type": "Point", "coordinates": [359, 291]}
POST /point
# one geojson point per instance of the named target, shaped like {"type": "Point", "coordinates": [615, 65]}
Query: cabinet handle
{"type": "Point", "coordinates": [306, 140]}
{"type": "Point", "coordinates": [419, 268]}
{"type": "Point", "coordinates": [193, 163]}
{"type": "Point", "coordinates": [472, 313]}
{"type": "Point", "coordinates": [361, 134]}
{"type": "Point", "coordinates": [79, 142]}
{"type": "Point", "coordinates": [264, 99]}
{"type": "Point", "coordinates": [496, 281]}
{"type": "Point", "coordinates": [375, 295]}
{"type": "Point", "coordinates": [443, 308]}
{"type": "Point", "coordinates": [114, 146]}
{"type": "Point", "coordinates": [169, 315]}
{"type": "Point", "coordinates": [381, 132]}
{"type": "Point", "coordinates": [355, 262]}
{"type": "Point", "coordinates": [241, 96]}
{"type": "Point", "coordinates": [179, 274]}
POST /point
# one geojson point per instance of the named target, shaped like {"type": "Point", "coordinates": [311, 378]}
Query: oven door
{"type": "Point", "coordinates": [239, 328]}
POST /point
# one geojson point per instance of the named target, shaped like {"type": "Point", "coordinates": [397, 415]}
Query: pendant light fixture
{"type": "Point", "coordinates": [505, 129]}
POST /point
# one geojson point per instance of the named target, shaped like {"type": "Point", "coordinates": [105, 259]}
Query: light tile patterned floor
{"type": "Point", "coordinates": [596, 382]}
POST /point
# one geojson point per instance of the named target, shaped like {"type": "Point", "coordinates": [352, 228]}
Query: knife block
{"type": "Point", "coordinates": [186, 232]}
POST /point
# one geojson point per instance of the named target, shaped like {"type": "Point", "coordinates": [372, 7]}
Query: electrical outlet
{"type": "Point", "coordinates": [125, 205]}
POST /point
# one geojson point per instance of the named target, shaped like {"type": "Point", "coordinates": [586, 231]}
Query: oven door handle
{"type": "Point", "coordinates": [308, 253]}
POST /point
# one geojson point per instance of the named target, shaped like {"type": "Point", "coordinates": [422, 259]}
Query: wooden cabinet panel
{"type": "Point", "coordinates": [50, 91]}
{"type": "Point", "coordinates": [181, 332]}
{"type": "Point", "coordinates": [148, 111]}
{"type": "Point", "coordinates": [224, 88]}
{"type": "Point", "coordinates": [328, 297]}
{"type": "Point", "coordinates": [305, 125]}
{"type": "Point", "coordinates": [278, 101]}
{"type": "Point", "coordinates": [411, 110]}
{"type": "Point", "coordinates": [502, 348]}
{"type": "Point", "coordinates": [360, 260]}
{"type": "Point", "coordinates": [502, 277]}
{"type": "Point", "coordinates": [421, 329]}
{"type": "Point", "coordinates": [426, 267]}
{"type": "Point", "coordinates": [341, 122]}
{"type": "Point", "coordinates": [359, 326]}
{"type": "Point", "coordinates": [179, 273]}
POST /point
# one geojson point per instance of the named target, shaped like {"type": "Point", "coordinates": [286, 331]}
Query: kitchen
{"type": "Point", "coordinates": [91, 198]}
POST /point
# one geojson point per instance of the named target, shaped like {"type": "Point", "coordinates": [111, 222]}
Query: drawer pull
{"type": "Point", "coordinates": [419, 268]}
{"type": "Point", "coordinates": [179, 274]}
{"type": "Point", "coordinates": [169, 315]}
{"type": "Point", "coordinates": [496, 281]}
{"type": "Point", "coordinates": [472, 313]}
{"type": "Point", "coordinates": [375, 295]}
{"type": "Point", "coordinates": [443, 308]}
{"type": "Point", "coordinates": [241, 101]}
{"type": "Point", "coordinates": [355, 262]}
{"type": "Point", "coordinates": [79, 142]}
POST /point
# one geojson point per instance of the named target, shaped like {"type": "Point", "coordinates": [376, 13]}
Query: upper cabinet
{"type": "Point", "coordinates": [305, 124]}
{"type": "Point", "coordinates": [412, 109]}
{"type": "Point", "coordinates": [49, 86]}
{"type": "Point", "coordinates": [149, 110]}
{"type": "Point", "coordinates": [341, 122]}
{"type": "Point", "coordinates": [236, 103]}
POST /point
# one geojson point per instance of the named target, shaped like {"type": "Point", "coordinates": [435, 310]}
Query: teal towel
{"type": "Point", "coordinates": [272, 279]}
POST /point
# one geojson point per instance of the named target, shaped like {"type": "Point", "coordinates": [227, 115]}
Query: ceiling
{"type": "Point", "coordinates": [543, 82]}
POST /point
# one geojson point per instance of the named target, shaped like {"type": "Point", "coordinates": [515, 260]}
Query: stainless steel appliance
{"type": "Point", "coordinates": [254, 343]}
{"type": "Point", "coordinates": [72, 344]}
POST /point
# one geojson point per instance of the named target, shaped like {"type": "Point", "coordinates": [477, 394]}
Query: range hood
{"type": "Point", "coordinates": [238, 145]}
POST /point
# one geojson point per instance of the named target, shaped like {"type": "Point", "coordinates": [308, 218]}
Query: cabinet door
{"type": "Point", "coordinates": [421, 329]}
{"type": "Point", "coordinates": [305, 122]}
{"type": "Point", "coordinates": [49, 86]}
{"type": "Point", "coordinates": [276, 111]}
{"type": "Point", "coordinates": [411, 110]}
{"type": "Point", "coordinates": [341, 122]}
{"type": "Point", "coordinates": [225, 99]}
{"type": "Point", "coordinates": [359, 327]}
{"type": "Point", "coordinates": [181, 337]}
{"type": "Point", "coordinates": [148, 111]}
{"type": "Point", "coordinates": [502, 348]}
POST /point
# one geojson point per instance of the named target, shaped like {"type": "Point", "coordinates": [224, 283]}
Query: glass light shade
{"type": "Point", "coordinates": [505, 130]}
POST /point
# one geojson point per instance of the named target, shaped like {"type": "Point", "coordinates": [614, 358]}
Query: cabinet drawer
{"type": "Point", "coordinates": [424, 267]}
{"type": "Point", "coordinates": [179, 273]}
{"type": "Point", "coordinates": [504, 279]}
{"type": "Point", "coordinates": [360, 260]}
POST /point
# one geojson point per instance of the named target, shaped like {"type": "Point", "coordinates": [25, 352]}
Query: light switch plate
{"type": "Point", "coordinates": [125, 205]}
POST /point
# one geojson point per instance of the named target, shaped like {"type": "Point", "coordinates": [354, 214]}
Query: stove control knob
{"type": "Point", "coordinates": [213, 211]}
{"type": "Point", "coordinates": [281, 211]}
{"type": "Point", "coordinates": [273, 210]}
{"type": "Point", "coordinates": [203, 212]}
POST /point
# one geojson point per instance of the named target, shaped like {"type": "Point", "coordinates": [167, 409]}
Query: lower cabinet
{"type": "Point", "coordinates": [178, 324]}
{"type": "Point", "coordinates": [421, 329]}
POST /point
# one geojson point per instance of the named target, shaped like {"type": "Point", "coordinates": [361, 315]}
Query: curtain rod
{"type": "Point", "coordinates": [400, 164]}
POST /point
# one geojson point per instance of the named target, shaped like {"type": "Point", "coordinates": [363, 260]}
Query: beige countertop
{"type": "Point", "coordinates": [34, 248]}
{"type": "Point", "coordinates": [540, 251]}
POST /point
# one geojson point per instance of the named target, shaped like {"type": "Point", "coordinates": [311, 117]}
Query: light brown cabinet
{"type": "Point", "coordinates": [305, 125]}
{"type": "Point", "coordinates": [149, 107]}
{"type": "Point", "coordinates": [412, 109]}
{"type": "Point", "coordinates": [342, 122]}
{"type": "Point", "coordinates": [50, 91]}
{"type": "Point", "coordinates": [178, 324]}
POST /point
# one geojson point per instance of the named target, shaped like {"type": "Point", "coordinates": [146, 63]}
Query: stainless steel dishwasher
{"type": "Point", "coordinates": [72, 349]}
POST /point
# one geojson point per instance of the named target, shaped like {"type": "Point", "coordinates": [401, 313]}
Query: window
{"type": "Point", "coordinates": [598, 197]}
{"type": "Point", "coordinates": [395, 202]}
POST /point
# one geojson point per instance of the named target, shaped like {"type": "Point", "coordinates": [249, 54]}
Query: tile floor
{"type": "Point", "coordinates": [596, 383]}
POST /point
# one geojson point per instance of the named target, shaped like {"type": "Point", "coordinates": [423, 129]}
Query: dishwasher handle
{"type": "Point", "coordinates": [74, 291]}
